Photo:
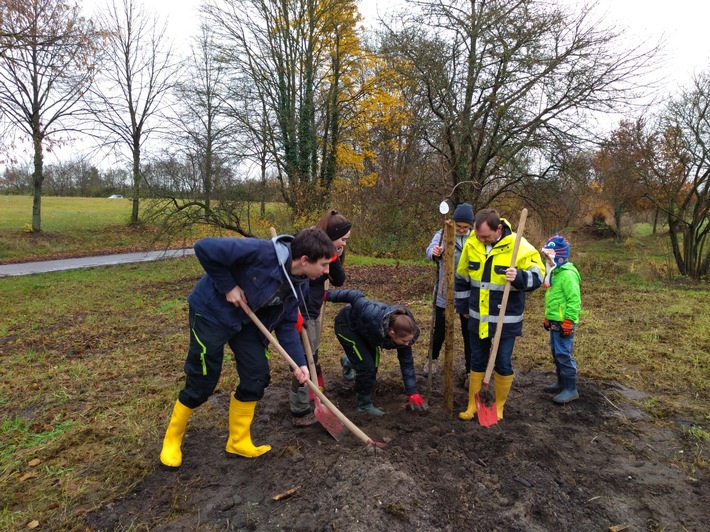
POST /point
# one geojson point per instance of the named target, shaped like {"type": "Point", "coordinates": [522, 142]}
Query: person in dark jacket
{"type": "Point", "coordinates": [362, 328]}
{"type": "Point", "coordinates": [338, 230]}
{"type": "Point", "coordinates": [271, 277]}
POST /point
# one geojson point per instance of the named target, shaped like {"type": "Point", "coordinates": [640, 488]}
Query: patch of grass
{"type": "Point", "coordinates": [92, 362]}
{"type": "Point", "coordinates": [698, 433]}
{"type": "Point", "coordinates": [360, 260]}
{"type": "Point", "coordinates": [75, 227]}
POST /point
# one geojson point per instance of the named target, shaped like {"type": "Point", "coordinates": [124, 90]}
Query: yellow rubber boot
{"type": "Point", "coordinates": [241, 415]}
{"type": "Point", "coordinates": [171, 455]}
{"type": "Point", "coordinates": [501, 387]}
{"type": "Point", "coordinates": [474, 386]}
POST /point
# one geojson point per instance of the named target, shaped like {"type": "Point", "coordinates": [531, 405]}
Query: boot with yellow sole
{"type": "Point", "coordinates": [501, 387]}
{"type": "Point", "coordinates": [474, 386]}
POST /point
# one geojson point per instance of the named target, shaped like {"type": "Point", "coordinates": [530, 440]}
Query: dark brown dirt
{"type": "Point", "coordinates": [597, 463]}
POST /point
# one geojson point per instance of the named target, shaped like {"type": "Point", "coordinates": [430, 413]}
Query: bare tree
{"type": "Point", "coordinates": [294, 60]}
{"type": "Point", "coordinates": [139, 71]}
{"type": "Point", "coordinates": [506, 83]}
{"type": "Point", "coordinates": [678, 182]}
{"type": "Point", "coordinates": [204, 142]}
{"type": "Point", "coordinates": [10, 35]}
{"type": "Point", "coordinates": [44, 74]}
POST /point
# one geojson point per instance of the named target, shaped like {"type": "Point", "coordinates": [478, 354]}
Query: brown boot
{"type": "Point", "coordinates": [304, 421]}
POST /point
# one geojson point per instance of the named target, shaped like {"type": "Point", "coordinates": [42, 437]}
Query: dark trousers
{"type": "Point", "coordinates": [363, 356]}
{"type": "Point", "coordinates": [203, 365]}
{"type": "Point", "coordinates": [481, 350]}
{"type": "Point", "coordinates": [440, 333]}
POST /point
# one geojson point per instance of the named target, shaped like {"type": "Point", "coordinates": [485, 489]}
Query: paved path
{"type": "Point", "coordinates": [27, 268]}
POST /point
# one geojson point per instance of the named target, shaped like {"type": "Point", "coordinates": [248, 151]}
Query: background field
{"type": "Point", "coordinates": [90, 360]}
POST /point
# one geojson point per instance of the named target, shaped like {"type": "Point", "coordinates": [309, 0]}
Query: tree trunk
{"type": "Point", "coordinates": [618, 212]}
{"type": "Point", "coordinates": [136, 181]}
{"type": "Point", "coordinates": [37, 179]}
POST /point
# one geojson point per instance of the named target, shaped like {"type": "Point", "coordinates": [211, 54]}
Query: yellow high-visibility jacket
{"type": "Point", "coordinates": [480, 281]}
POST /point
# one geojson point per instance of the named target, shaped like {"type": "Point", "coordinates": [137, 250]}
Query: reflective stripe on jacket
{"type": "Point", "coordinates": [482, 277]}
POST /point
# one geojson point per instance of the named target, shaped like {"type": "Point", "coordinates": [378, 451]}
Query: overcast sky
{"type": "Point", "coordinates": [682, 23]}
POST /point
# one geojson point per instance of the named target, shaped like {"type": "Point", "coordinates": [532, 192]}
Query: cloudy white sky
{"type": "Point", "coordinates": [682, 23]}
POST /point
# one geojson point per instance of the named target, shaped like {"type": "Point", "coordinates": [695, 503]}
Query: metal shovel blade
{"type": "Point", "coordinates": [326, 418]}
{"type": "Point", "coordinates": [487, 413]}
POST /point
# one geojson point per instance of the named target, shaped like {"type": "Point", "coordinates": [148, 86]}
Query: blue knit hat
{"type": "Point", "coordinates": [561, 247]}
{"type": "Point", "coordinates": [464, 213]}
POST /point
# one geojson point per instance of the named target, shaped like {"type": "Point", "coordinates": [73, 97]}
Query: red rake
{"type": "Point", "coordinates": [486, 408]}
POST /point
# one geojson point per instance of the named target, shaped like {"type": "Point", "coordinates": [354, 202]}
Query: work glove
{"type": "Point", "coordinates": [299, 322]}
{"type": "Point", "coordinates": [567, 327]}
{"type": "Point", "coordinates": [416, 402]}
{"type": "Point", "coordinates": [546, 324]}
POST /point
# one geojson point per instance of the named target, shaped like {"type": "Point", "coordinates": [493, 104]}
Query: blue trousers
{"type": "Point", "coordinates": [481, 350]}
{"type": "Point", "coordinates": [561, 349]}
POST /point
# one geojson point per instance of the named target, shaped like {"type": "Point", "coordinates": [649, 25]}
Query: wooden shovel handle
{"type": "Point", "coordinates": [504, 302]}
{"type": "Point", "coordinates": [309, 354]}
{"type": "Point", "coordinates": [344, 420]}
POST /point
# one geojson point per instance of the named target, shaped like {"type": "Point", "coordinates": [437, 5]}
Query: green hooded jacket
{"type": "Point", "coordinates": [563, 299]}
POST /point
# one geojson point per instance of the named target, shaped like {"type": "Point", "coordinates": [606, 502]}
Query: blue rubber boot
{"type": "Point", "coordinates": [569, 391]}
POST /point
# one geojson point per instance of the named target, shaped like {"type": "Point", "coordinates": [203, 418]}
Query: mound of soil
{"type": "Point", "coordinates": [595, 464]}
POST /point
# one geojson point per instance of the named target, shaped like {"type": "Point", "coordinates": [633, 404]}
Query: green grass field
{"type": "Point", "coordinates": [65, 214]}
{"type": "Point", "coordinates": [74, 227]}
{"type": "Point", "coordinates": [92, 359]}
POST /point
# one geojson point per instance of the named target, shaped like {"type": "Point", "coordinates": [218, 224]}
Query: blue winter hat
{"type": "Point", "coordinates": [560, 246]}
{"type": "Point", "coordinates": [464, 213]}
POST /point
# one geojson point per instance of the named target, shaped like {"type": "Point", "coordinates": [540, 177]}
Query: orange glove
{"type": "Point", "coordinates": [567, 328]}
{"type": "Point", "coordinates": [546, 324]}
{"type": "Point", "coordinates": [299, 322]}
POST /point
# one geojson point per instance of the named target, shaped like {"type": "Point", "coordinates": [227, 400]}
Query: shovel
{"type": "Point", "coordinates": [345, 421]}
{"type": "Point", "coordinates": [485, 399]}
{"type": "Point", "coordinates": [326, 418]}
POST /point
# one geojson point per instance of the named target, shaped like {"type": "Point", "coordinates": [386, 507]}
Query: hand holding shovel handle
{"type": "Point", "coordinates": [344, 420]}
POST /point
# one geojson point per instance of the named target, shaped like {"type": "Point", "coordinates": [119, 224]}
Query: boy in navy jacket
{"type": "Point", "coordinates": [271, 276]}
